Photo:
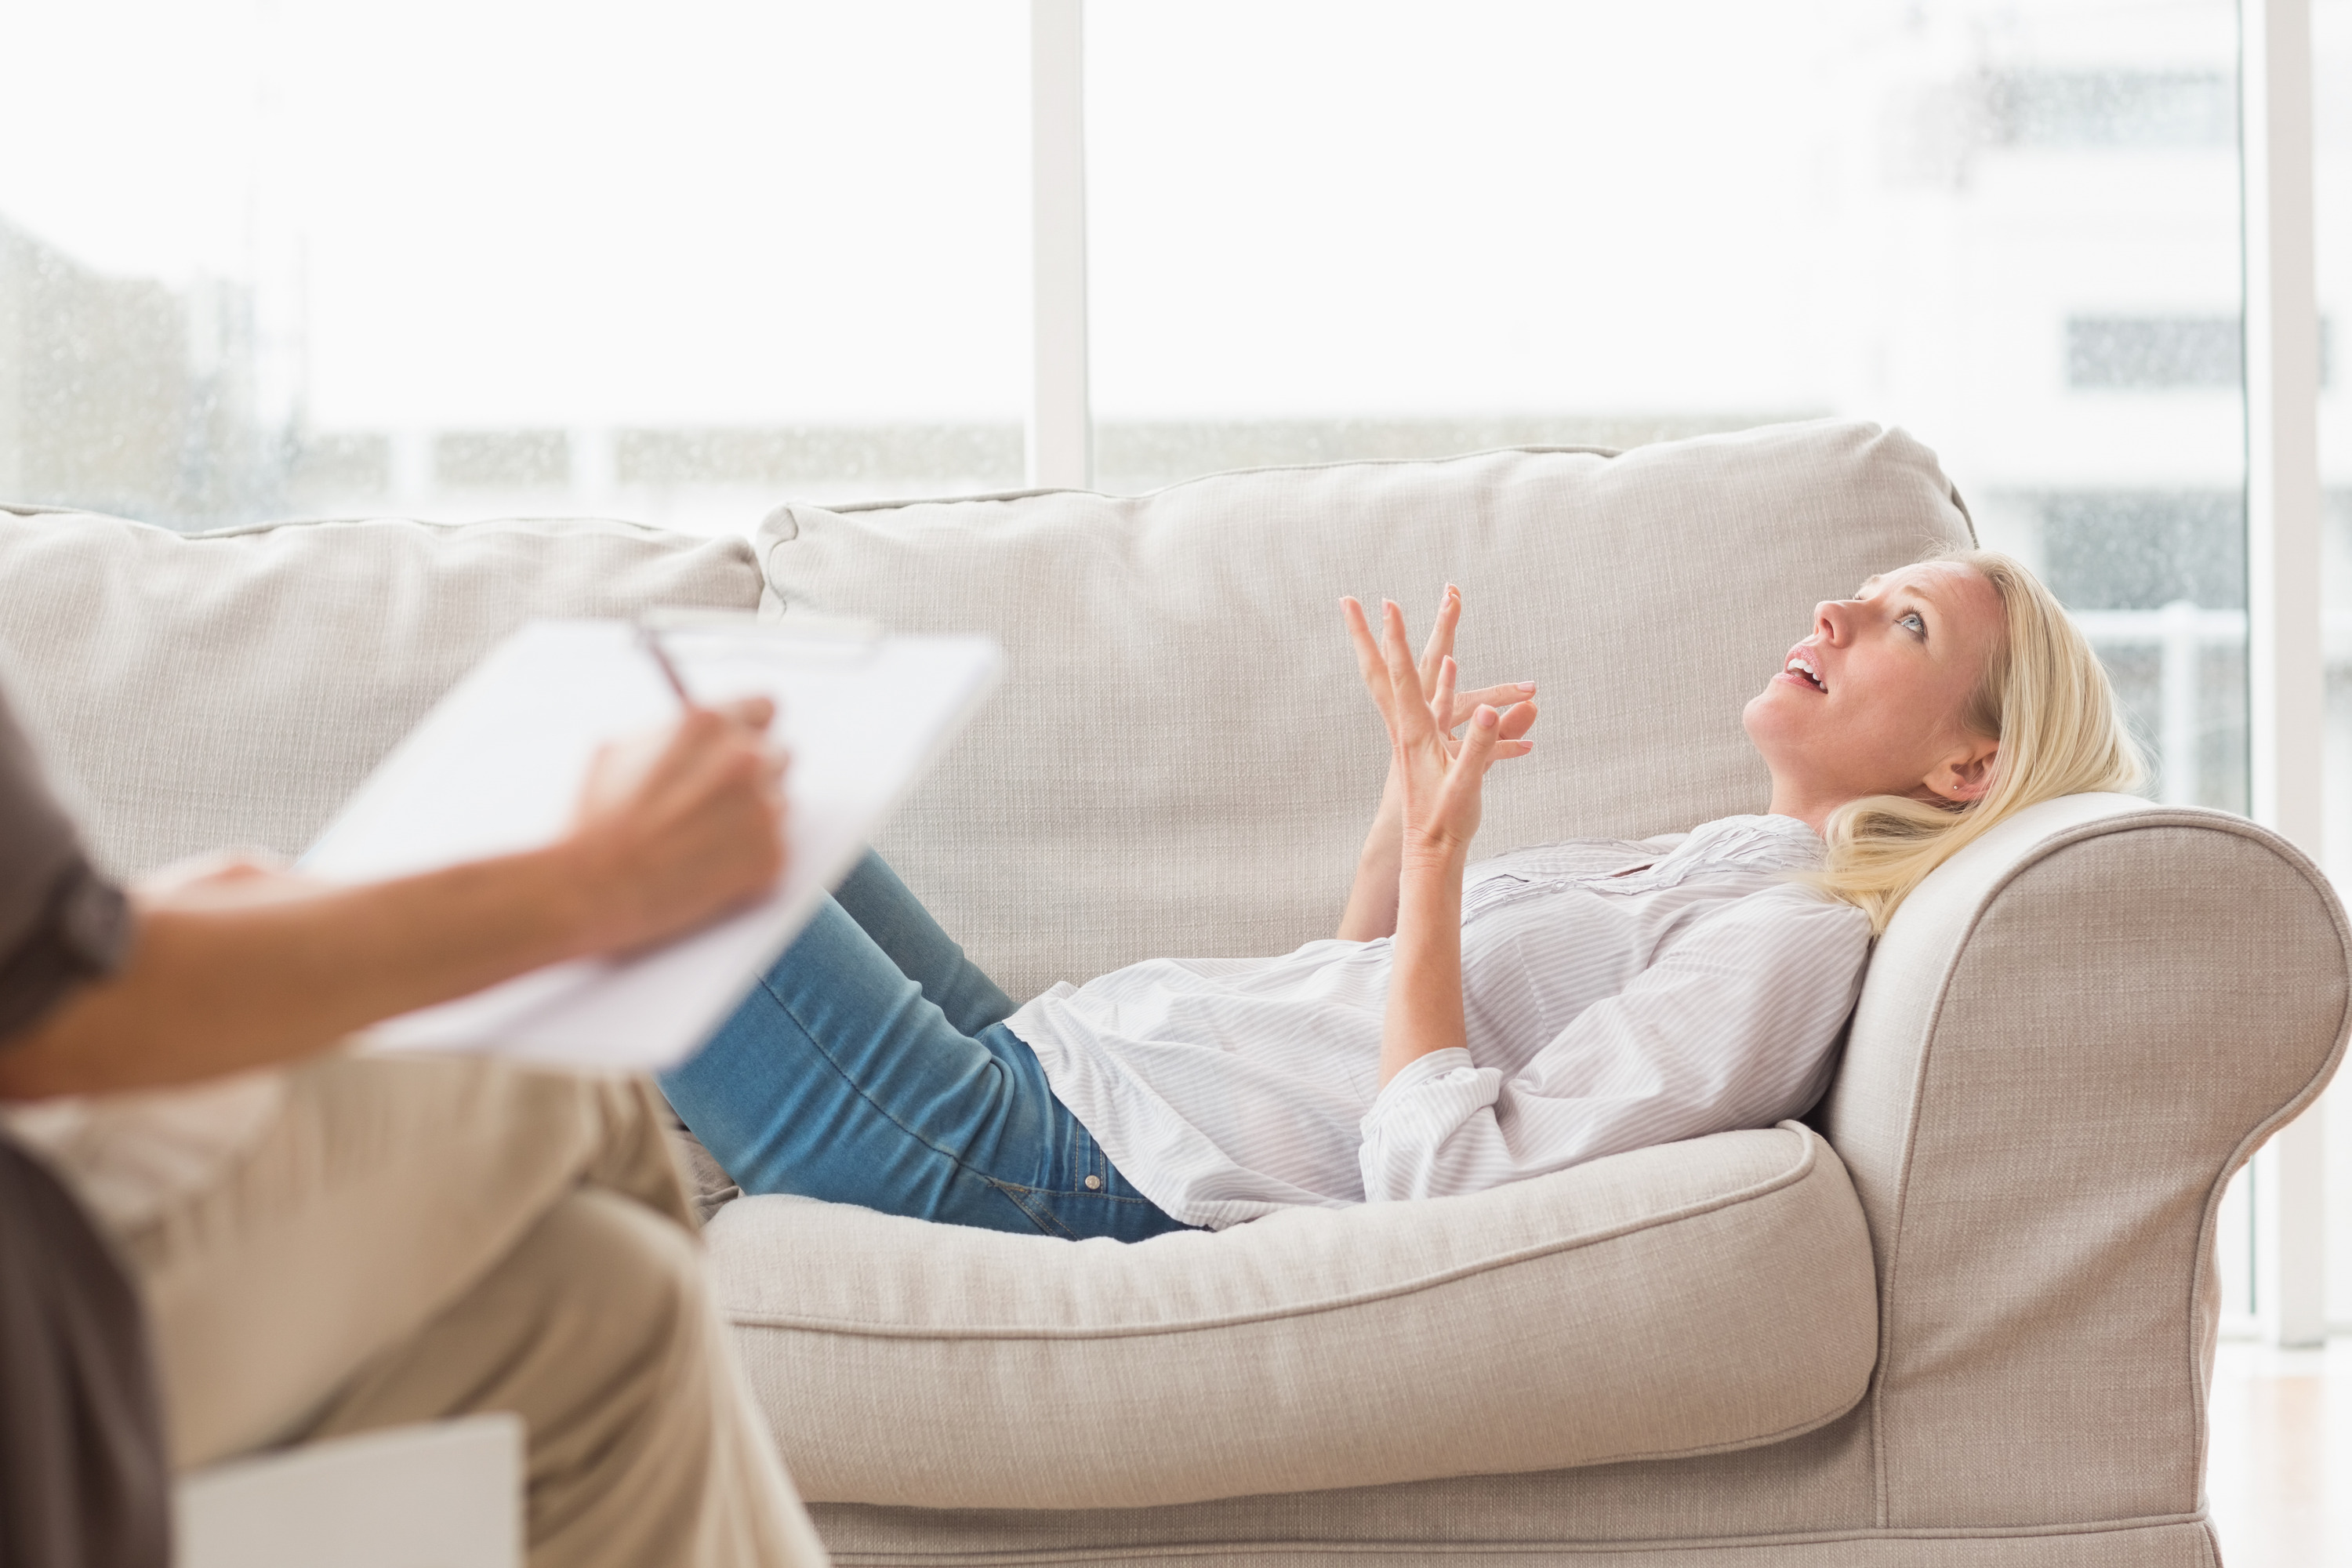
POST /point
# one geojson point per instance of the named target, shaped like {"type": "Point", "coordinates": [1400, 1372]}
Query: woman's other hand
{"type": "Point", "coordinates": [1452, 709]}
{"type": "Point", "coordinates": [674, 829]}
{"type": "Point", "coordinates": [1371, 910]}
{"type": "Point", "coordinates": [1439, 781]}
{"type": "Point", "coordinates": [1437, 778]}
{"type": "Point", "coordinates": [1499, 717]}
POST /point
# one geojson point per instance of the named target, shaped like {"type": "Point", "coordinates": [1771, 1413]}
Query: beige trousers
{"type": "Point", "coordinates": [418, 1238]}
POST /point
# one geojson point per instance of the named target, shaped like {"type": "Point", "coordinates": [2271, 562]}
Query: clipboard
{"type": "Point", "coordinates": [497, 766]}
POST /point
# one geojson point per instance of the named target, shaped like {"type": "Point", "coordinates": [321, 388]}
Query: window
{"type": "Point", "coordinates": [461, 261]}
{"type": "Point", "coordinates": [2331, 103]}
{"type": "Point", "coordinates": [2144, 353]}
{"type": "Point", "coordinates": [452, 260]}
{"type": "Point", "coordinates": [2039, 107]}
{"type": "Point", "coordinates": [1328, 230]}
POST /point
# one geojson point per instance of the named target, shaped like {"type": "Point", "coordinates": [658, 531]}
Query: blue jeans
{"type": "Point", "coordinates": [871, 1065]}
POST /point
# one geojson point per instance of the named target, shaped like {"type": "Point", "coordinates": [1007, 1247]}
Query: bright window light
{"type": "Point", "coordinates": [530, 247]}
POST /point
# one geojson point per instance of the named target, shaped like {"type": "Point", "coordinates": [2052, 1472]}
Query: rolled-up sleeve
{"type": "Point", "coordinates": [61, 922]}
{"type": "Point", "coordinates": [1732, 1025]}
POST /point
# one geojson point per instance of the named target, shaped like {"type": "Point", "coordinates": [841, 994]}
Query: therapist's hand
{"type": "Point", "coordinates": [236, 963]}
{"type": "Point", "coordinates": [680, 827]}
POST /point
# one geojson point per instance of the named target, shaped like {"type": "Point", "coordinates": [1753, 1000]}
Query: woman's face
{"type": "Point", "coordinates": [1872, 702]}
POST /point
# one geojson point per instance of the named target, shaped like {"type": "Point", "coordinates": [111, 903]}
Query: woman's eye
{"type": "Point", "coordinates": [1911, 621]}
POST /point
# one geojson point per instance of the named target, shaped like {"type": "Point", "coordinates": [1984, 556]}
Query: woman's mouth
{"type": "Point", "coordinates": [1800, 671]}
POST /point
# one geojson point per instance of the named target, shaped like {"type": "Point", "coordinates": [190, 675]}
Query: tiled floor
{"type": "Point", "coordinates": [2280, 1477]}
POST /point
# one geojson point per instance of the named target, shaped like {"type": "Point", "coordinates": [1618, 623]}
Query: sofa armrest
{"type": "Point", "coordinates": [2069, 1037]}
{"type": "Point", "coordinates": [1693, 1297]}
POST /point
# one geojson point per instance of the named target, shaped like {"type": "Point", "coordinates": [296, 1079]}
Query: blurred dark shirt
{"type": "Point", "coordinates": [84, 1482]}
{"type": "Point", "coordinates": [60, 922]}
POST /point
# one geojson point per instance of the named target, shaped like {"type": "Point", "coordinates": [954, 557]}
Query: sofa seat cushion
{"type": "Point", "coordinates": [1682, 1299]}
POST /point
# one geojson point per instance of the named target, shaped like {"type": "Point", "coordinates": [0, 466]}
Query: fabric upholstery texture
{"type": "Point", "coordinates": [232, 687]}
{"type": "Point", "coordinates": [2071, 1036]}
{"type": "Point", "coordinates": [1459, 1541]}
{"type": "Point", "coordinates": [1384, 1342]}
{"type": "Point", "coordinates": [1179, 701]}
{"type": "Point", "coordinates": [1816, 1483]}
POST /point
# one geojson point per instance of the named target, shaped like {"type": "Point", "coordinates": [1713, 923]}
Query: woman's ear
{"type": "Point", "coordinates": [1966, 774]}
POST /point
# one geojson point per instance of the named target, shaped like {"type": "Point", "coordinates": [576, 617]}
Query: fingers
{"type": "Point", "coordinates": [1368, 659]}
{"type": "Point", "coordinates": [1503, 697]}
{"type": "Point", "coordinates": [691, 744]}
{"type": "Point", "coordinates": [1479, 740]}
{"type": "Point", "coordinates": [1511, 730]}
{"type": "Point", "coordinates": [1441, 701]}
{"type": "Point", "coordinates": [1434, 683]}
{"type": "Point", "coordinates": [1408, 716]}
{"type": "Point", "coordinates": [225, 879]}
{"type": "Point", "coordinates": [710, 752]}
{"type": "Point", "coordinates": [1440, 635]}
{"type": "Point", "coordinates": [218, 865]}
{"type": "Point", "coordinates": [1359, 636]}
{"type": "Point", "coordinates": [752, 712]}
{"type": "Point", "coordinates": [680, 825]}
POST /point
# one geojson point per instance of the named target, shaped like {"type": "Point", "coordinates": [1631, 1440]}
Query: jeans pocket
{"type": "Point", "coordinates": [1038, 1207]}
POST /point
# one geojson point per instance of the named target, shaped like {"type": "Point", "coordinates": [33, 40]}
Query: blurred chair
{"type": "Point", "coordinates": [448, 1495]}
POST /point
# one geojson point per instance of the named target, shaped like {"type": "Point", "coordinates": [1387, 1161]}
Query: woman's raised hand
{"type": "Point", "coordinates": [1435, 778]}
{"type": "Point", "coordinates": [1453, 714]}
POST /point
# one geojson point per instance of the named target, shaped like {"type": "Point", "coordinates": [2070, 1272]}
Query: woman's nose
{"type": "Point", "coordinates": [1829, 621]}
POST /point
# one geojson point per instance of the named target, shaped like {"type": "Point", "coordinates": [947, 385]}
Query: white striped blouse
{"type": "Point", "coordinates": [1618, 994]}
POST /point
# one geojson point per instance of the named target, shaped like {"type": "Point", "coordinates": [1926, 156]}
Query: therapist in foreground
{"type": "Point", "coordinates": [328, 1243]}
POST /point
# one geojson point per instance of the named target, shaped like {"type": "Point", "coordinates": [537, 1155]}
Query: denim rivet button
{"type": "Point", "coordinates": [1092, 1182]}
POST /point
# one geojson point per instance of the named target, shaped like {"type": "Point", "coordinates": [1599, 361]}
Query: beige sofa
{"type": "Point", "coordinates": [1963, 1316]}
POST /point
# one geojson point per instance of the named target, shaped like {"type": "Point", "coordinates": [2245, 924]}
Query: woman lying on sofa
{"type": "Point", "coordinates": [1468, 1024]}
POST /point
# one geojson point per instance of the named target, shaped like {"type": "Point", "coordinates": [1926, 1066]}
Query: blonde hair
{"type": "Point", "coordinates": [2045, 697]}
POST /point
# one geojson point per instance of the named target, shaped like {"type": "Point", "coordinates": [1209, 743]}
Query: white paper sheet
{"type": "Point", "coordinates": [498, 765]}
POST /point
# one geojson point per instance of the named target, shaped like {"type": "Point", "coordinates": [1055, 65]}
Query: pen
{"type": "Point", "coordinates": [652, 643]}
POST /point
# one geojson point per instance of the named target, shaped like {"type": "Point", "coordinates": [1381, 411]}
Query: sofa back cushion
{"type": "Point", "coordinates": [1183, 759]}
{"type": "Point", "coordinates": [232, 687]}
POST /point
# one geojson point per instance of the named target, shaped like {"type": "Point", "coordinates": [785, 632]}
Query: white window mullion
{"type": "Point", "coordinates": [1061, 424]}
{"type": "Point", "coordinates": [2286, 677]}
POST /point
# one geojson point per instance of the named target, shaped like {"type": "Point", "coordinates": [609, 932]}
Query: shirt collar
{"type": "Point", "coordinates": [1771, 842]}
